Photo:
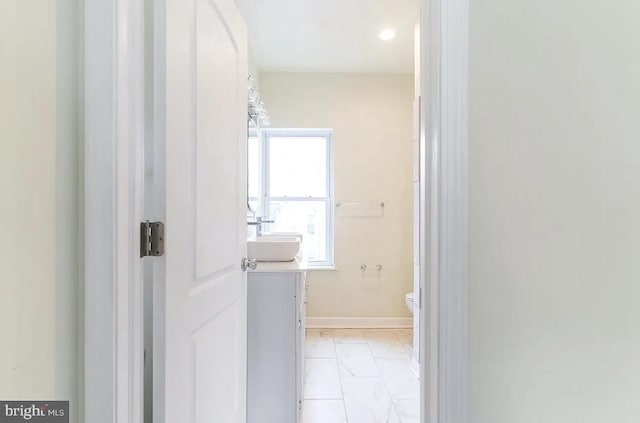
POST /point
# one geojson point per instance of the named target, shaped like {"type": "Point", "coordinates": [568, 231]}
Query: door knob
{"type": "Point", "coordinates": [248, 264]}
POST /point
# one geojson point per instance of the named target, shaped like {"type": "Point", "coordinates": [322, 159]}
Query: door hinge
{"type": "Point", "coordinates": [420, 297]}
{"type": "Point", "coordinates": [151, 239]}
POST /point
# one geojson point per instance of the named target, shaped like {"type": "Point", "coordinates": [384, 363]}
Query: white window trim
{"type": "Point", "coordinates": [264, 136]}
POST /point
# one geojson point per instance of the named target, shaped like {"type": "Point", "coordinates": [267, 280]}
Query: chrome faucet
{"type": "Point", "coordinates": [258, 224]}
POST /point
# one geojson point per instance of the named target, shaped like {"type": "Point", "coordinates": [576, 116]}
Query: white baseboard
{"type": "Point", "coordinates": [359, 322]}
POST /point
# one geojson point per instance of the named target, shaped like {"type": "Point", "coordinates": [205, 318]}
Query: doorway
{"type": "Point", "coordinates": [127, 354]}
{"type": "Point", "coordinates": [350, 72]}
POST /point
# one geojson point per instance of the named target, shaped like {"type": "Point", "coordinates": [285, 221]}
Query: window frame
{"type": "Point", "coordinates": [255, 133]}
{"type": "Point", "coordinates": [265, 199]}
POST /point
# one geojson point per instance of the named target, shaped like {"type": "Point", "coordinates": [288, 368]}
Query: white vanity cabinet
{"type": "Point", "coordinates": [275, 342]}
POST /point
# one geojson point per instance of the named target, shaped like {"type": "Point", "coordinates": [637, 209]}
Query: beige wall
{"type": "Point", "coordinates": [39, 211]}
{"type": "Point", "coordinates": [554, 211]}
{"type": "Point", "coordinates": [372, 120]}
{"type": "Point", "coordinates": [253, 68]}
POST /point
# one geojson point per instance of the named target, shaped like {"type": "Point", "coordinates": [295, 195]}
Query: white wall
{"type": "Point", "coordinates": [372, 120]}
{"type": "Point", "coordinates": [554, 211]}
{"type": "Point", "coordinates": [39, 211]}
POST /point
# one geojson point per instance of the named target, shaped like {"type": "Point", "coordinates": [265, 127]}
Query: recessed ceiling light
{"type": "Point", "coordinates": [387, 34]}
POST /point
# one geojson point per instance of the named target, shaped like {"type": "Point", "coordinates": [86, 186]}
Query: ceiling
{"type": "Point", "coordinates": [331, 35]}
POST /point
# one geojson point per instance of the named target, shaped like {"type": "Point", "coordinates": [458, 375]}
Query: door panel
{"type": "Point", "coordinates": [217, 81]}
{"type": "Point", "coordinates": [200, 301]}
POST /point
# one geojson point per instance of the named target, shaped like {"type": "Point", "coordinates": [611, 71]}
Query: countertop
{"type": "Point", "coordinates": [297, 265]}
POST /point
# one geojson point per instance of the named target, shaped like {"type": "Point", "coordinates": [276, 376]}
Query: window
{"type": "Point", "coordinates": [291, 182]}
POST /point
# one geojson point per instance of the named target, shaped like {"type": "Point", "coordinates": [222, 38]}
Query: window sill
{"type": "Point", "coordinates": [314, 267]}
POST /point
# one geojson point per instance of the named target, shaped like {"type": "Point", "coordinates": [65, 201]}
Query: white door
{"type": "Point", "coordinates": [200, 69]}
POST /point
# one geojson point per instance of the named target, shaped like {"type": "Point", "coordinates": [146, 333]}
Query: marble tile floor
{"type": "Point", "coordinates": [360, 376]}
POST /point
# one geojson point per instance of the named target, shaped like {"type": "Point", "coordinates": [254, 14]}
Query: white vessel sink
{"type": "Point", "coordinates": [273, 248]}
{"type": "Point", "coordinates": [283, 234]}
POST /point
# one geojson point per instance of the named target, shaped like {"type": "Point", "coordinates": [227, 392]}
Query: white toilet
{"type": "Point", "coordinates": [408, 298]}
